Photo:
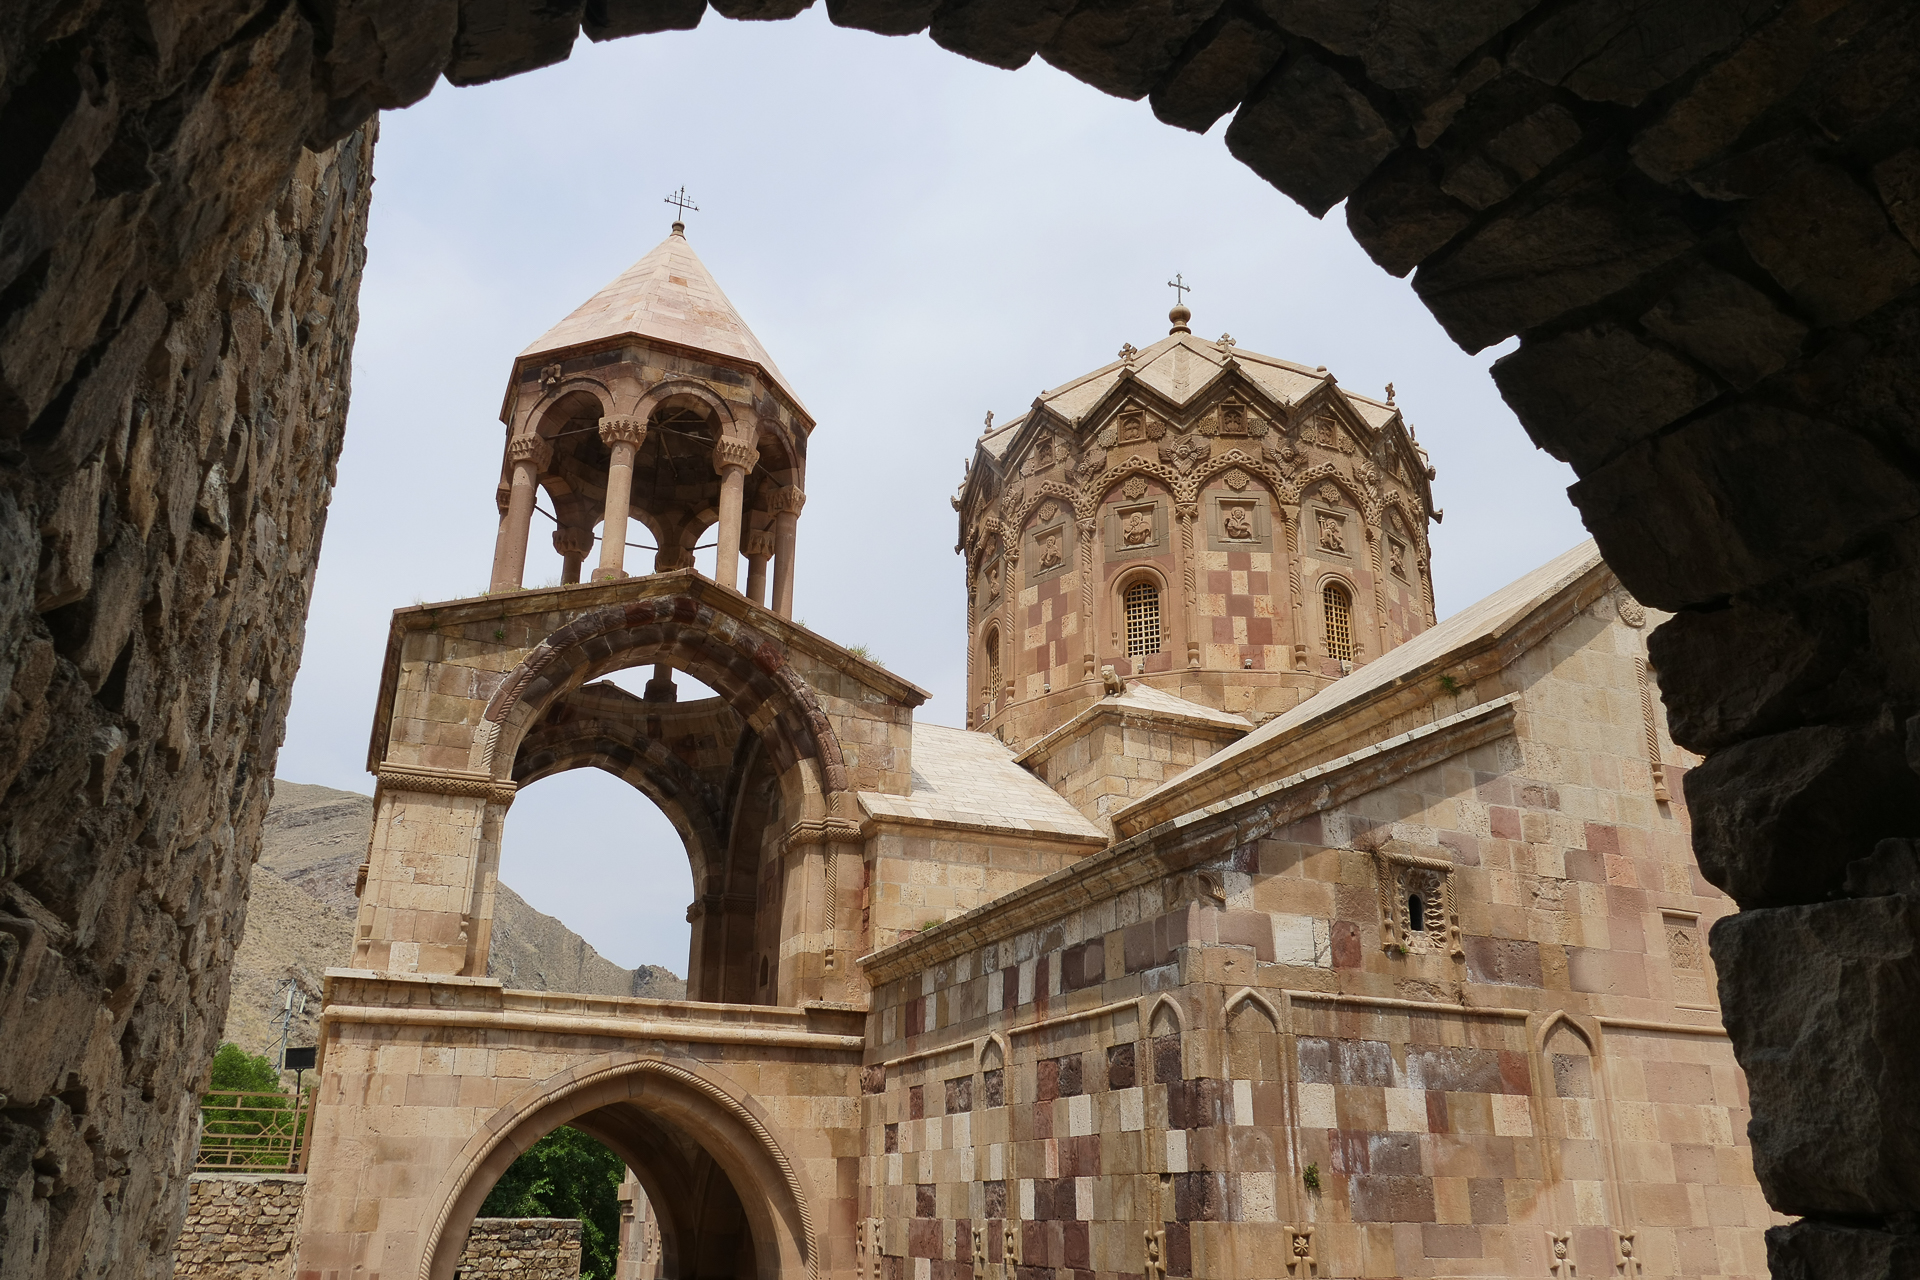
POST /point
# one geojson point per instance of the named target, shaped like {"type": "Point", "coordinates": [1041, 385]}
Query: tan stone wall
{"type": "Point", "coordinates": [240, 1226]}
{"type": "Point", "coordinates": [402, 1104]}
{"type": "Point", "coordinates": [922, 874]}
{"type": "Point", "coordinates": [1176, 1053]}
{"type": "Point", "coordinates": [1117, 762]}
{"type": "Point", "coordinates": [524, 1248]}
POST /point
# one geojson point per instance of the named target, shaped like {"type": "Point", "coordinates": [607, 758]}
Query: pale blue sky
{"type": "Point", "coordinates": [916, 239]}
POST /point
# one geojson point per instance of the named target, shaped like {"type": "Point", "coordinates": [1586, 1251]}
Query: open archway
{"type": "Point", "coordinates": [730, 1201]}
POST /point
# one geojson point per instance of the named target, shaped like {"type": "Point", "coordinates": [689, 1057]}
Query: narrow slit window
{"type": "Point", "coordinates": [1416, 912]}
{"type": "Point", "coordinates": [993, 665]}
{"type": "Point", "coordinates": [1338, 608]}
{"type": "Point", "coordinates": [1143, 619]}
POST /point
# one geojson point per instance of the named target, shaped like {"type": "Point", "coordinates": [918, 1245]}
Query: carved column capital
{"type": "Point", "coordinates": [759, 543]}
{"type": "Point", "coordinates": [623, 431]}
{"type": "Point", "coordinates": [786, 500]}
{"type": "Point", "coordinates": [571, 541]}
{"type": "Point", "coordinates": [734, 454]}
{"type": "Point", "coordinates": [531, 449]}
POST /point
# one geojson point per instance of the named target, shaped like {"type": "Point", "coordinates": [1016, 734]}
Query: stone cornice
{"type": "Point", "coordinates": [1193, 838]}
{"type": "Point", "coordinates": [579, 598]}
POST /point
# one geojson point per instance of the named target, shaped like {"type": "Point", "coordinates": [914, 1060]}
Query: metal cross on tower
{"type": "Point", "coordinates": [1180, 289]}
{"type": "Point", "coordinates": [680, 201]}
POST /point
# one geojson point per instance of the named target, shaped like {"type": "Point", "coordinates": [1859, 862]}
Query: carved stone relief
{"type": "Point", "coordinates": [1332, 532]}
{"type": "Point", "coordinates": [1134, 487]}
{"type": "Point", "coordinates": [1417, 913]}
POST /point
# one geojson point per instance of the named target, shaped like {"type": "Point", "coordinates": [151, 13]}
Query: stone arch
{"type": "Point", "coordinates": [1343, 583]}
{"type": "Point", "coordinates": [542, 415]}
{"type": "Point", "coordinates": [685, 1093]}
{"type": "Point", "coordinates": [1125, 579]}
{"type": "Point", "coordinates": [743, 666]}
{"type": "Point", "coordinates": [557, 743]}
{"type": "Point", "coordinates": [1134, 465]}
{"type": "Point", "coordinates": [661, 395]}
{"type": "Point", "coordinates": [995, 1052]}
{"type": "Point", "coordinates": [1253, 1038]}
{"type": "Point", "coordinates": [1166, 1017]}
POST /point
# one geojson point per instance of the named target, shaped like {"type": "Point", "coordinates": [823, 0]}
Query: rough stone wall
{"type": "Point", "coordinates": [1699, 218]}
{"type": "Point", "coordinates": [241, 1226]}
{"type": "Point", "coordinates": [524, 1248]}
{"type": "Point", "coordinates": [161, 499]}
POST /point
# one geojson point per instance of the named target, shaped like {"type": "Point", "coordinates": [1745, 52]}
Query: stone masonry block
{"type": "Point", "coordinates": [1819, 1002]}
{"type": "Point", "coordinates": [1777, 819]}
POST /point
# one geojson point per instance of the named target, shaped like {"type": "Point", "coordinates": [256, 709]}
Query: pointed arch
{"type": "Point", "coordinates": [1253, 1037]}
{"type": "Point", "coordinates": [994, 1052]}
{"type": "Point", "coordinates": [729, 1129]}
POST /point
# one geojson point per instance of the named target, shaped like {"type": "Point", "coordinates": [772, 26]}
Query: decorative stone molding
{"type": "Point", "coordinates": [1300, 1259]}
{"type": "Point", "coordinates": [530, 449]}
{"type": "Point", "coordinates": [1155, 1265]}
{"type": "Point", "coordinates": [812, 831]}
{"type": "Point", "coordinates": [734, 454]}
{"type": "Point", "coordinates": [1626, 1263]}
{"type": "Point", "coordinates": [615, 431]}
{"type": "Point", "coordinates": [447, 782]}
{"type": "Point", "coordinates": [1400, 877]}
{"type": "Point", "coordinates": [1560, 1255]}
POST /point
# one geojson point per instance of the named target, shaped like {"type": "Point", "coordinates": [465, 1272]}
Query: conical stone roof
{"type": "Point", "coordinates": [669, 295]}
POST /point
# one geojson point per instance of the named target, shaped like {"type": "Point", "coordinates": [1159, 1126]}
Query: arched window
{"type": "Point", "coordinates": [1143, 619]}
{"type": "Point", "coordinates": [1337, 606]}
{"type": "Point", "coordinates": [991, 652]}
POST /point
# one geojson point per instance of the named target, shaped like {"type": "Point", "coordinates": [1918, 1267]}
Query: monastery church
{"type": "Point", "coordinates": [1256, 924]}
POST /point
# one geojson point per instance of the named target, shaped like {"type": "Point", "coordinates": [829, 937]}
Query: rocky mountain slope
{"type": "Point", "coordinates": [300, 922]}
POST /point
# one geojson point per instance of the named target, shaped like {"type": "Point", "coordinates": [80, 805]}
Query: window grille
{"type": "Point", "coordinates": [1143, 619]}
{"type": "Point", "coordinates": [1338, 607]}
{"type": "Point", "coordinates": [993, 667]}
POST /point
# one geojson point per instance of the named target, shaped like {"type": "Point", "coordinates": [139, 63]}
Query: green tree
{"type": "Point", "coordinates": [567, 1175]}
{"type": "Point", "coordinates": [234, 1068]}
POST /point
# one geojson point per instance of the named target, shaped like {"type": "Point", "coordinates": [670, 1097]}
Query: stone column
{"type": "Point", "coordinates": [1089, 533]}
{"type": "Point", "coordinates": [759, 546]}
{"type": "Point", "coordinates": [622, 437]}
{"type": "Point", "coordinates": [785, 504]}
{"type": "Point", "coordinates": [732, 459]}
{"type": "Point", "coordinates": [573, 544]}
{"type": "Point", "coordinates": [1188, 513]}
{"type": "Point", "coordinates": [529, 455]}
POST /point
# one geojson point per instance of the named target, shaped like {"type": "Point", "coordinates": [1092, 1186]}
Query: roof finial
{"type": "Point", "coordinates": [1389, 393]}
{"type": "Point", "coordinates": [1179, 315]}
{"type": "Point", "coordinates": [679, 200]}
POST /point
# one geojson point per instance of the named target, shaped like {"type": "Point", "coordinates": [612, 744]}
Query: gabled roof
{"type": "Point", "coordinates": [1332, 721]}
{"type": "Point", "coordinates": [1140, 701]}
{"type": "Point", "coordinates": [969, 779]}
{"type": "Point", "coordinates": [669, 295]}
{"type": "Point", "coordinates": [1181, 366]}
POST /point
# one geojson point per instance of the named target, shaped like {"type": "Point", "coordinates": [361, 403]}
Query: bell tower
{"type": "Point", "coordinates": [652, 420]}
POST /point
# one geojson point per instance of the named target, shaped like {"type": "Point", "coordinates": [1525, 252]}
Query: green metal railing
{"type": "Point", "coordinates": [250, 1132]}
